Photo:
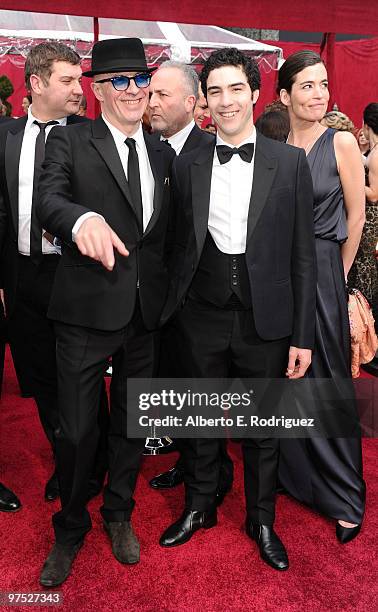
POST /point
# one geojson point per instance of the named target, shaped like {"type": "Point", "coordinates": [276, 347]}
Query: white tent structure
{"type": "Point", "coordinates": [188, 43]}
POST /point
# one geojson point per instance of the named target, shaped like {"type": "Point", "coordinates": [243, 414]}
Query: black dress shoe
{"type": "Point", "coordinates": [9, 502]}
{"type": "Point", "coordinates": [52, 488]}
{"type": "Point", "coordinates": [347, 534]}
{"type": "Point", "coordinates": [57, 566]}
{"type": "Point", "coordinates": [125, 545]}
{"type": "Point", "coordinates": [272, 551]}
{"type": "Point", "coordinates": [221, 494]}
{"type": "Point", "coordinates": [168, 480]}
{"type": "Point", "coordinates": [182, 530]}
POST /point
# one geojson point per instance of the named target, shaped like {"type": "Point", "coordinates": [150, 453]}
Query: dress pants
{"type": "Point", "coordinates": [32, 339]}
{"type": "Point", "coordinates": [82, 358]}
{"type": "Point", "coordinates": [173, 364]}
{"type": "Point", "coordinates": [220, 343]}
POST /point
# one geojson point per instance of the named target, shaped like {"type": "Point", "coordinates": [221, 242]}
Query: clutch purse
{"type": "Point", "coordinates": [364, 341]}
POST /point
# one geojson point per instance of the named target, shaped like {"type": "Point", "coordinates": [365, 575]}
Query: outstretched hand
{"type": "Point", "coordinates": [97, 240]}
{"type": "Point", "coordinates": [299, 361]}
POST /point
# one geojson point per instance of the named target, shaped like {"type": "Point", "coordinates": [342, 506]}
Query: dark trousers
{"type": "Point", "coordinates": [173, 364]}
{"type": "Point", "coordinates": [32, 339]}
{"type": "Point", "coordinates": [219, 343]}
{"type": "Point", "coordinates": [82, 358]}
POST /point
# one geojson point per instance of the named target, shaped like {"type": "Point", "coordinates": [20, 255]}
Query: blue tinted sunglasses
{"type": "Point", "coordinates": [121, 83]}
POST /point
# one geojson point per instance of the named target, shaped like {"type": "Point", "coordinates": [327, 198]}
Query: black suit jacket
{"type": "Point", "coordinates": [196, 138]}
{"type": "Point", "coordinates": [83, 172]}
{"type": "Point", "coordinates": [280, 253]}
{"type": "Point", "coordinates": [11, 136]}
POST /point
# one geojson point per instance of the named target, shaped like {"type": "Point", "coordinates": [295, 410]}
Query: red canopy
{"type": "Point", "coordinates": [343, 16]}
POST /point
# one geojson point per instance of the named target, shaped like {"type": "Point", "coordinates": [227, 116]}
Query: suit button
{"type": "Point", "coordinates": [234, 283]}
{"type": "Point", "coordinates": [193, 267]}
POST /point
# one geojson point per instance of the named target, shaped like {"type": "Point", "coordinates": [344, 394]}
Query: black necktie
{"type": "Point", "coordinates": [35, 227]}
{"type": "Point", "coordinates": [245, 151]}
{"type": "Point", "coordinates": [133, 178]}
{"type": "Point", "coordinates": [167, 142]}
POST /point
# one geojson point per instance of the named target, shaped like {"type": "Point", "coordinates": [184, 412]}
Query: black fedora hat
{"type": "Point", "coordinates": [118, 55]}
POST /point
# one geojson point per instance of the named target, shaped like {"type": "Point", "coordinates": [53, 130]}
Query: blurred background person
{"type": "Point", "coordinates": [364, 275]}
{"type": "Point", "coordinates": [338, 121]}
{"type": "Point", "coordinates": [201, 110]}
{"type": "Point", "coordinates": [274, 124]}
{"type": "Point", "coordinates": [26, 102]}
{"type": "Point", "coordinates": [363, 142]}
{"type": "Point", "coordinates": [326, 473]}
{"type": "Point", "coordinates": [82, 112]}
{"type": "Point", "coordinates": [210, 128]}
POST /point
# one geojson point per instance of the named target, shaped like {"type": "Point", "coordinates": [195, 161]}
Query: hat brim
{"type": "Point", "coordinates": [91, 73]}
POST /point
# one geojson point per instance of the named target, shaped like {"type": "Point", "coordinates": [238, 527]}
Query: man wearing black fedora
{"type": "Point", "coordinates": [105, 194]}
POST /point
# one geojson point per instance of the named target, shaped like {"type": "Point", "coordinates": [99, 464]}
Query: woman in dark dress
{"type": "Point", "coordinates": [324, 473]}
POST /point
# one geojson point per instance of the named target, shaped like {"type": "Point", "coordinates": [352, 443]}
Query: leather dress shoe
{"type": "Point", "coordinates": [272, 551]}
{"type": "Point", "coordinates": [346, 534]}
{"type": "Point", "coordinates": [125, 545]}
{"type": "Point", "coordinates": [168, 480]}
{"type": "Point", "coordinates": [9, 502]}
{"type": "Point", "coordinates": [52, 488]}
{"type": "Point", "coordinates": [182, 530]}
{"type": "Point", "coordinates": [57, 566]}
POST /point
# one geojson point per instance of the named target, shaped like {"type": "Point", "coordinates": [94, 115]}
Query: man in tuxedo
{"type": "Point", "coordinates": [105, 185]}
{"type": "Point", "coordinates": [174, 92]}
{"type": "Point", "coordinates": [29, 257]}
{"type": "Point", "coordinates": [244, 277]}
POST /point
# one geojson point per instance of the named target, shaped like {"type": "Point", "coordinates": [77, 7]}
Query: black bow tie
{"type": "Point", "coordinates": [245, 151]}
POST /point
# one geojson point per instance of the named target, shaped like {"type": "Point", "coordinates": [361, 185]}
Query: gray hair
{"type": "Point", "coordinates": [189, 74]}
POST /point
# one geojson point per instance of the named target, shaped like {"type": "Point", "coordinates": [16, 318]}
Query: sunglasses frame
{"type": "Point", "coordinates": [121, 76]}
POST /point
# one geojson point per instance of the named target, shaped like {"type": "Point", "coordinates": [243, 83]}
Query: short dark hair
{"type": "Point", "coordinates": [231, 57]}
{"type": "Point", "coordinates": [371, 116]}
{"type": "Point", "coordinates": [41, 57]}
{"type": "Point", "coordinates": [274, 124]}
{"type": "Point", "coordinates": [294, 64]}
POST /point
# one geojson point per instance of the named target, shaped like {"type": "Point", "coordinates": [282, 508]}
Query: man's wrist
{"type": "Point", "coordinates": [80, 222]}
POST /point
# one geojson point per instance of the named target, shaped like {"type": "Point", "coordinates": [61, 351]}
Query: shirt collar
{"type": "Point", "coordinates": [120, 137]}
{"type": "Point", "coordinates": [251, 138]}
{"type": "Point", "coordinates": [178, 140]}
{"type": "Point", "coordinates": [32, 118]}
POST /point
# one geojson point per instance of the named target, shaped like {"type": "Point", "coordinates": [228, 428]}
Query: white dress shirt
{"type": "Point", "coordinates": [230, 194]}
{"type": "Point", "coordinates": [25, 184]}
{"type": "Point", "coordinates": [147, 181]}
{"type": "Point", "coordinates": [178, 140]}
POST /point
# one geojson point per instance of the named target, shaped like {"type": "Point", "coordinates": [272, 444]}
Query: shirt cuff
{"type": "Point", "coordinates": [80, 222]}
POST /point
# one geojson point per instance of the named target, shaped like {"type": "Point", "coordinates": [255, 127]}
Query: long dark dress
{"type": "Point", "coordinates": [326, 474]}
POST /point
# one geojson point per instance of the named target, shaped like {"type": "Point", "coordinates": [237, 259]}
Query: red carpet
{"type": "Point", "coordinates": [218, 570]}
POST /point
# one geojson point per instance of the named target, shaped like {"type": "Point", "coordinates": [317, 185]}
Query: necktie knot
{"type": "Point", "coordinates": [43, 126]}
{"type": "Point", "coordinates": [245, 152]}
{"type": "Point", "coordinates": [131, 143]}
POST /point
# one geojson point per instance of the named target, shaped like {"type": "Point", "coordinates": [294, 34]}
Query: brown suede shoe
{"type": "Point", "coordinates": [57, 566]}
{"type": "Point", "coordinates": [125, 545]}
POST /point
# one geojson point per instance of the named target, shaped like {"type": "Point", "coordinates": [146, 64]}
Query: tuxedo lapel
{"type": "Point", "coordinates": [201, 171]}
{"type": "Point", "coordinates": [156, 157]}
{"type": "Point", "coordinates": [103, 141]}
{"type": "Point", "coordinates": [263, 176]}
{"type": "Point", "coordinates": [12, 161]}
{"type": "Point", "coordinates": [192, 141]}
